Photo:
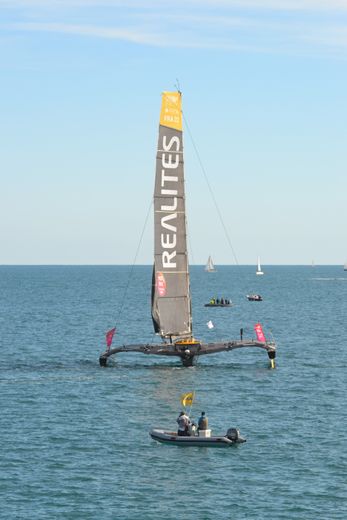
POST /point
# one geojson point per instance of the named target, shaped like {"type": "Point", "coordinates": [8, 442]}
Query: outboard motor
{"type": "Point", "coordinates": [233, 434]}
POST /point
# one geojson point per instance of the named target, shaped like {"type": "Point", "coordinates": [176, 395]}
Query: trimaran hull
{"type": "Point", "coordinates": [187, 353]}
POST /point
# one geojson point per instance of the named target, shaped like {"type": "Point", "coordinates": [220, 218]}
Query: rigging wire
{"type": "Point", "coordinates": [190, 245]}
{"type": "Point", "coordinates": [177, 86]}
{"type": "Point", "coordinates": [210, 189]}
{"type": "Point", "coordinates": [134, 261]}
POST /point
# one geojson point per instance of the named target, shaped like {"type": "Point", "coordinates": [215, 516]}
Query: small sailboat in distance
{"type": "Point", "coordinates": [345, 266]}
{"type": "Point", "coordinates": [210, 268]}
{"type": "Point", "coordinates": [259, 271]}
{"type": "Point", "coordinates": [171, 298]}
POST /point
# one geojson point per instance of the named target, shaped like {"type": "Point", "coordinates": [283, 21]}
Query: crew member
{"type": "Point", "coordinates": [183, 424]}
{"type": "Point", "coordinates": [203, 422]}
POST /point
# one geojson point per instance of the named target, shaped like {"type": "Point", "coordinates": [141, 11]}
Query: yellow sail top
{"type": "Point", "coordinates": [171, 112]}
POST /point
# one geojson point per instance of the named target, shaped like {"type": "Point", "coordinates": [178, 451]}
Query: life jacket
{"type": "Point", "coordinates": [203, 423]}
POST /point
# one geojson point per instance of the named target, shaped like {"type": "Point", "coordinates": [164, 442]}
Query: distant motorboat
{"type": "Point", "coordinates": [254, 297]}
{"type": "Point", "coordinates": [259, 271]}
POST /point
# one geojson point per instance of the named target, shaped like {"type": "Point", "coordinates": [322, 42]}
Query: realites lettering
{"type": "Point", "coordinates": [170, 161]}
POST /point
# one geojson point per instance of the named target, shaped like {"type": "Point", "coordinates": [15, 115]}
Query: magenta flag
{"type": "Point", "coordinates": [259, 332]}
{"type": "Point", "coordinates": [109, 337]}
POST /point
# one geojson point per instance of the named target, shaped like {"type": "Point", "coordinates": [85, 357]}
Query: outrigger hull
{"type": "Point", "coordinates": [187, 352]}
{"type": "Point", "coordinates": [219, 441]}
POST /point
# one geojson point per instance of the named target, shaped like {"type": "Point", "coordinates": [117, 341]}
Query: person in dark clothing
{"type": "Point", "coordinates": [203, 422]}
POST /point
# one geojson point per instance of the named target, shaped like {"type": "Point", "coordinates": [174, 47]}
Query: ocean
{"type": "Point", "coordinates": [74, 436]}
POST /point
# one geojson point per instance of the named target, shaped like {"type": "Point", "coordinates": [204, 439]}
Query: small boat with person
{"type": "Point", "coordinates": [254, 298]}
{"type": "Point", "coordinates": [200, 439]}
{"type": "Point", "coordinates": [189, 434]}
{"type": "Point", "coordinates": [219, 302]}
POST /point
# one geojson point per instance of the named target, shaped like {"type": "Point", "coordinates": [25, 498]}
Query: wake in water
{"type": "Point", "coordinates": [330, 279]}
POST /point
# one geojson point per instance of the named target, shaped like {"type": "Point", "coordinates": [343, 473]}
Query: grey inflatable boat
{"type": "Point", "coordinates": [204, 438]}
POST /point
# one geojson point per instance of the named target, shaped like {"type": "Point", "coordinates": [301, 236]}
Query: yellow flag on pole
{"type": "Point", "coordinates": [187, 399]}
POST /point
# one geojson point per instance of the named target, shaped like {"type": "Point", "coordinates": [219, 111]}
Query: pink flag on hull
{"type": "Point", "coordinates": [259, 332]}
{"type": "Point", "coordinates": [109, 337]}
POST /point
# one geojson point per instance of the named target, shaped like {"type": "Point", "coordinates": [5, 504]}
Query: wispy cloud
{"type": "Point", "coordinates": [205, 24]}
{"type": "Point", "coordinates": [139, 36]}
{"type": "Point", "coordinates": [335, 36]}
{"type": "Point", "coordinates": [213, 38]}
{"type": "Point", "coordinates": [94, 31]}
{"type": "Point", "coordinates": [289, 5]}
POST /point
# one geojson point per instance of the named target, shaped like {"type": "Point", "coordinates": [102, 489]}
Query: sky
{"type": "Point", "coordinates": [264, 86]}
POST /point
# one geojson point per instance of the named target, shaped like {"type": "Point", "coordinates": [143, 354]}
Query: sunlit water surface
{"type": "Point", "coordinates": [74, 436]}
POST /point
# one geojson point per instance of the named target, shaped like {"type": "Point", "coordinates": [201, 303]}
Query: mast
{"type": "Point", "coordinates": [171, 303]}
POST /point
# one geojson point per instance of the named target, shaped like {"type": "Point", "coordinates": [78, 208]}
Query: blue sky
{"type": "Point", "coordinates": [264, 94]}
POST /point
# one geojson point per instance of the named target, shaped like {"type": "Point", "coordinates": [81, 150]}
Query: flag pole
{"type": "Point", "coordinates": [191, 405]}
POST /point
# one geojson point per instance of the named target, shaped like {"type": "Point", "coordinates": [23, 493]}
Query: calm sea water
{"type": "Point", "coordinates": [74, 436]}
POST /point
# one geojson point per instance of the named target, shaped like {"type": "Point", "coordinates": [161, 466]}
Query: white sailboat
{"type": "Point", "coordinates": [259, 271]}
{"type": "Point", "coordinates": [171, 298]}
{"type": "Point", "coordinates": [210, 268]}
{"type": "Point", "coordinates": [345, 266]}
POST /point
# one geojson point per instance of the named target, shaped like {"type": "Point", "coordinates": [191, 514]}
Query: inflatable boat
{"type": "Point", "coordinates": [219, 304]}
{"type": "Point", "coordinates": [202, 439]}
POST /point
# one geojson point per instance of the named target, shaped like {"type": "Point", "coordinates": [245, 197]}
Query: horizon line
{"type": "Point", "coordinates": [190, 265]}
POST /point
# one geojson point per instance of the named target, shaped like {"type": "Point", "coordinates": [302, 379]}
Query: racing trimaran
{"type": "Point", "coordinates": [171, 299]}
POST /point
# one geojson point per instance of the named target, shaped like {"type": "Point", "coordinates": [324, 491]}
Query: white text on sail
{"type": "Point", "coordinates": [169, 161]}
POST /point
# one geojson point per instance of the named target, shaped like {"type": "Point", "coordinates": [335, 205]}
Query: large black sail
{"type": "Point", "coordinates": [171, 306]}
